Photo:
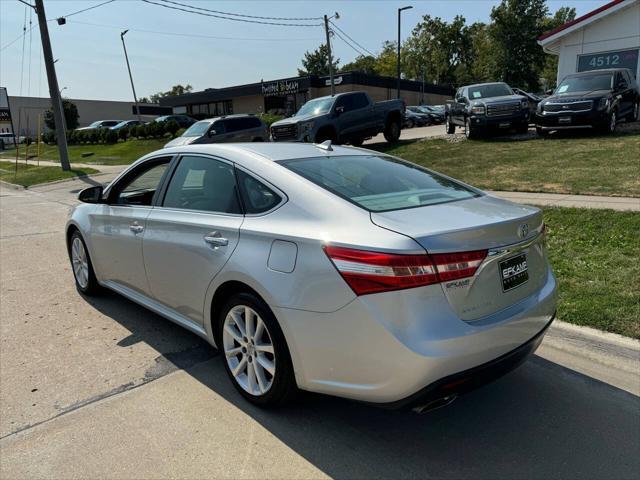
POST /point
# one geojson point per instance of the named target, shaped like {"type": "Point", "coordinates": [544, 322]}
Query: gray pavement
{"type": "Point", "coordinates": [104, 388]}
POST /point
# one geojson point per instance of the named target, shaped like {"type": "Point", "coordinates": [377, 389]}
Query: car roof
{"type": "Point", "coordinates": [601, 70]}
{"type": "Point", "coordinates": [486, 83]}
{"type": "Point", "coordinates": [270, 151]}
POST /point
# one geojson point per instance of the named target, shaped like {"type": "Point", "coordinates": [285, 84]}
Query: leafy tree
{"type": "Point", "coordinates": [317, 62]}
{"type": "Point", "coordinates": [70, 116]}
{"type": "Point", "coordinates": [365, 64]}
{"type": "Point", "coordinates": [516, 25]}
{"type": "Point", "coordinates": [387, 59]}
{"type": "Point", "coordinates": [175, 90]}
{"type": "Point", "coordinates": [549, 73]}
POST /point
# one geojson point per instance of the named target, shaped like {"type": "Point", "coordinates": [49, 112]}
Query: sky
{"type": "Point", "coordinates": [168, 47]}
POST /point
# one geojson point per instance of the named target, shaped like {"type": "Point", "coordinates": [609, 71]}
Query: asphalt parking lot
{"type": "Point", "coordinates": [104, 388]}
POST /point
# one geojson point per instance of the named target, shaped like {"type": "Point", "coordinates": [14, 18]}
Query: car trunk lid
{"type": "Point", "coordinates": [515, 266]}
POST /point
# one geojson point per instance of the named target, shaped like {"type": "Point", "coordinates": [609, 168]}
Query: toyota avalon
{"type": "Point", "coordinates": [328, 269]}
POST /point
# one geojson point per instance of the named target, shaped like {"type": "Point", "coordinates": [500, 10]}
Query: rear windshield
{"type": "Point", "coordinates": [378, 183]}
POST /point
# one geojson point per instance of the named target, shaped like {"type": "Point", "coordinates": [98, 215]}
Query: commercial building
{"type": "Point", "coordinates": [607, 37]}
{"type": "Point", "coordinates": [23, 113]}
{"type": "Point", "coordinates": [286, 96]}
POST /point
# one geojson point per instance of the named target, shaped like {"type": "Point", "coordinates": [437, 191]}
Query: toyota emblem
{"type": "Point", "coordinates": [523, 230]}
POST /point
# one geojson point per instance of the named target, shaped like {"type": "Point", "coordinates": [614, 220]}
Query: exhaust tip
{"type": "Point", "coordinates": [434, 404]}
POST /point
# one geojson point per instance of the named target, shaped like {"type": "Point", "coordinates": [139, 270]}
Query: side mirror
{"type": "Point", "coordinates": [91, 195]}
{"type": "Point", "coordinates": [339, 110]}
{"type": "Point", "coordinates": [212, 133]}
{"type": "Point", "coordinates": [549, 92]}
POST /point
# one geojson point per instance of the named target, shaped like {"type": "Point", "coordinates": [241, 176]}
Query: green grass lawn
{"type": "Point", "coordinates": [580, 164]}
{"type": "Point", "coordinates": [595, 255]}
{"type": "Point", "coordinates": [121, 153]}
{"type": "Point", "coordinates": [28, 175]}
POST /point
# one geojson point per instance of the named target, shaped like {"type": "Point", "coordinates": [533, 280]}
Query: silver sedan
{"type": "Point", "coordinates": [329, 269]}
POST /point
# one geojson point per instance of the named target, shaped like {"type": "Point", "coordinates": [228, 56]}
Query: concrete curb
{"type": "Point", "coordinates": [11, 185]}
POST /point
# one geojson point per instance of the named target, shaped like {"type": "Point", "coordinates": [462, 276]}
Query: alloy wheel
{"type": "Point", "coordinates": [248, 350]}
{"type": "Point", "coordinates": [467, 128]}
{"type": "Point", "coordinates": [80, 262]}
{"type": "Point", "coordinates": [636, 112]}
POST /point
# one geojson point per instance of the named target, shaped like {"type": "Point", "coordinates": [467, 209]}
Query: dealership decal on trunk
{"type": "Point", "coordinates": [514, 272]}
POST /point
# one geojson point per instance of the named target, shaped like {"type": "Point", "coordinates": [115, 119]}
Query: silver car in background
{"type": "Point", "coordinates": [329, 269]}
{"type": "Point", "coordinates": [230, 128]}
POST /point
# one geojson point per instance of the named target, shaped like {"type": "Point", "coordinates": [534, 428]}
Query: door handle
{"type": "Point", "coordinates": [136, 228]}
{"type": "Point", "coordinates": [216, 239]}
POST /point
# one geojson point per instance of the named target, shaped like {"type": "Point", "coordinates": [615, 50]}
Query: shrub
{"type": "Point", "coordinates": [123, 133]}
{"type": "Point", "coordinates": [134, 132]}
{"type": "Point", "coordinates": [92, 136]}
{"type": "Point", "coordinates": [49, 137]}
{"type": "Point", "coordinates": [172, 127]}
{"type": "Point", "coordinates": [143, 131]}
{"type": "Point", "coordinates": [156, 129]}
{"type": "Point", "coordinates": [270, 118]}
{"type": "Point", "coordinates": [110, 136]}
{"type": "Point", "coordinates": [180, 132]}
{"type": "Point", "coordinates": [28, 140]}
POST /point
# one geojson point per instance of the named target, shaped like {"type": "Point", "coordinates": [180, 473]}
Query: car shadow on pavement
{"type": "Point", "coordinates": [542, 420]}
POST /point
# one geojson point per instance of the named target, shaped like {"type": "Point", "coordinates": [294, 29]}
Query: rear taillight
{"type": "Point", "coordinates": [373, 272]}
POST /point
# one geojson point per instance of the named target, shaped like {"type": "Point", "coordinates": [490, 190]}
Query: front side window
{"type": "Point", "coordinates": [586, 83]}
{"type": "Point", "coordinates": [140, 187]}
{"type": "Point", "coordinates": [204, 184]}
{"type": "Point", "coordinates": [378, 183]}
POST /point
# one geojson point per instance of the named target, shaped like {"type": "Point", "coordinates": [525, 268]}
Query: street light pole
{"type": "Point", "coordinates": [399, 12]}
{"type": "Point", "coordinates": [54, 92]}
{"type": "Point", "coordinates": [135, 98]}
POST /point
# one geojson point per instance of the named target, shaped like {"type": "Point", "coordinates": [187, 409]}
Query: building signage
{"type": "Point", "coordinates": [614, 59]}
{"type": "Point", "coordinates": [336, 81]}
{"type": "Point", "coordinates": [281, 87]}
{"type": "Point", "coordinates": [5, 113]}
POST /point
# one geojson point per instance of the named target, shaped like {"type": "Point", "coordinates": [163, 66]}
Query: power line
{"type": "Point", "coordinates": [14, 40]}
{"type": "Point", "coordinates": [192, 35]}
{"type": "Point", "coordinates": [85, 9]}
{"type": "Point", "coordinates": [345, 41]}
{"type": "Point", "coordinates": [346, 35]}
{"type": "Point", "coordinates": [240, 14]}
{"type": "Point", "coordinates": [233, 19]}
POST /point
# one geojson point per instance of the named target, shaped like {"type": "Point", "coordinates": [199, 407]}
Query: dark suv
{"type": "Point", "coordinates": [597, 99]}
{"type": "Point", "coordinates": [478, 108]}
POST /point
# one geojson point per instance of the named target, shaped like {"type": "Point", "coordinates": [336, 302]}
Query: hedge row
{"type": "Point", "coordinates": [108, 136]}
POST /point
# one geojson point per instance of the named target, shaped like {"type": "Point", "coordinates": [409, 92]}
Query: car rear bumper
{"type": "Point", "coordinates": [588, 119]}
{"type": "Point", "coordinates": [396, 347]}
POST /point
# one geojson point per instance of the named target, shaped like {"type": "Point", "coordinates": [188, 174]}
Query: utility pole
{"type": "Point", "coordinates": [399, 12]}
{"type": "Point", "coordinates": [326, 31]}
{"type": "Point", "coordinates": [135, 98]}
{"type": "Point", "coordinates": [54, 91]}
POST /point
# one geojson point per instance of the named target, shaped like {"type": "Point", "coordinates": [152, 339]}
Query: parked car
{"type": "Point", "coordinates": [331, 269]}
{"type": "Point", "coordinates": [7, 140]}
{"type": "Point", "coordinates": [183, 120]}
{"type": "Point", "coordinates": [533, 99]}
{"type": "Point", "coordinates": [596, 99]}
{"type": "Point", "coordinates": [415, 118]}
{"type": "Point", "coordinates": [127, 124]}
{"type": "Point", "coordinates": [350, 117]}
{"type": "Point", "coordinates": [480, 107]}
{"type": "Point", "coordinates": [436, 112]}
{"type": "Point", "coordinates": [101, 124]}
{"type": "Point", "coordinates": [231, 128]}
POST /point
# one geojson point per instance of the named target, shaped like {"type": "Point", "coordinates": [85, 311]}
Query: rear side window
{"type": "Point", "coordinates": [256, 196]}
{"type": "Point", "coordinates": [359, 100]}
{"type": "Point", "coordinates": [378, 183]}
{"type": "Point", "coordinates": [205, 184]}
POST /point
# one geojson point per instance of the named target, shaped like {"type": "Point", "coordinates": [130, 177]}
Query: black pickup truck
{"type": "Point", "coordinates": [483, 106]}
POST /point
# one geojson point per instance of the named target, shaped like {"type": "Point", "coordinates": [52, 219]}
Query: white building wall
{"type": "Point", "coordinates": [617, 31]}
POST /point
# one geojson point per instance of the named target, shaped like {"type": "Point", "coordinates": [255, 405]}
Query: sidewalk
{"type": "Point", "coordinates": [569, 200]}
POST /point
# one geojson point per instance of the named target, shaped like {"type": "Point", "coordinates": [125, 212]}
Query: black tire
{"type": "Point", "coordinates": [284, 388]}
{"type": "Point", "coordinates": [522, 128]}
{"type": "Point", "coordinates": [92, 286]}
{"type": "Point", "coordinates": [326, 134]}
{"type": "Point", "coordinates": [634, 116]}
{"type": "Point", "coordinates": [410, 124]}
{"type": "Point", "coordinates": [357, 142]}
{"type": "Point", "coordinates": [449, 126]}
{"type": "Point", "coordinates": [612, 122]}
{"type": "Point", "coordinates": [392, 130]}
{"type": "Point", "coordinates": [469, 130]}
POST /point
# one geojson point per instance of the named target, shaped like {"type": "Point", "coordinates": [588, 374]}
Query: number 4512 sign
{"type": "Point", "coordinates": [616, 59]}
